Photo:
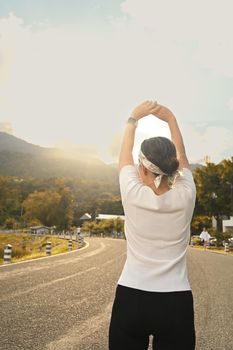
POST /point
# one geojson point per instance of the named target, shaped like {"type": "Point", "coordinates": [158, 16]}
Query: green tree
{"type": "Point", "coordinates": [43, 206]}
{"type": "Point", "coordinates": [104, 226]}
{"type": "Point", "coordinates": [10, 223]}
{"type": "Point", "coordinates": [213, 194]}
{"type": "Point", "coordinates": [10, 198]}
{"type": "Point", "coordinates": [200, 221]}
{"type": "Point", "coordinates": [35, 222]}
{"type": "Point", "coordinates": [65, 213]}
{"type": "Point", "coordinates": [225, 170]}
{"type": "Point", "coordinates": [119, 225]}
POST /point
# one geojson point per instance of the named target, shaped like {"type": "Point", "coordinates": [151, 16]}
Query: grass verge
{"type": "Point", "coordinates": [27, 246]}
{"type": "Point", "coordinates": [219, 250]}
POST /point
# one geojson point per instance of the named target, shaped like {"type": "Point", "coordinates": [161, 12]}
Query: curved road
{"type": "Point", "coordinates": [65, 301]}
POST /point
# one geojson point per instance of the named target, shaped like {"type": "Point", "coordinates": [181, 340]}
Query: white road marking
{"type": "Point", "coordinates": [77, 334]}
{"type": "Point", "coordinates": [41, 286]}
{"type": "Point", "coordinates": [55, 263]}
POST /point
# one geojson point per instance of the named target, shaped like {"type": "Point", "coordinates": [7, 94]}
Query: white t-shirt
{"type": "Point", "coordinates": [157, 229]}
{"type": "Point", "coordinates": [205, 236]}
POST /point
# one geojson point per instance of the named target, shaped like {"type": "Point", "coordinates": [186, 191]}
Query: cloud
{"type": "Point", "coordinates": [230, 104]}
{"type": "Point", "coordinates": [171, 18]}
{"type": "Point", "coordinates": [114, 147]}
{"type": "Point", "coordinates": [81, 84]}
{"type": "Point", "coordinates": [211, 141]}
{"type": "Point", "coordinates": [53, 82]}
{"type": "Point", "coordinates": [207, 23]}
{"type": "Point", "coordinates": [70, 83]}
{"type": "Point", "coordinates": [74, 151]}
{"type": "Point", "coordinates": [6, 127]}
{"type": "Point", "coordinates": [200, 140]}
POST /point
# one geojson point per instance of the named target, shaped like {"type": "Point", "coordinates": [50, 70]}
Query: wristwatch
{"type": "Point", "coordinates": [133, 121]}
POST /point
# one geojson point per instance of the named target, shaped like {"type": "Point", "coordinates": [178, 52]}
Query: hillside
{"type": "Point", "coordinates": [11, 143]}
{"type": "Point", "coordinates": [20, 158]}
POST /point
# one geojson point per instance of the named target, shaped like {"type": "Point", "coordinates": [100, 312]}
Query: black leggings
{"type": "Point", "coordinates": [136, 314]}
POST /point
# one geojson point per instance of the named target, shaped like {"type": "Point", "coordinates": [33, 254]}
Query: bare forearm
{"type": "Point", "coordinates": [127, 143]}
{"type": "Point", "coordinates": [142, 110]}
{"type": "Point", "coordinates": [177, 139]}
{"type": "Point", "coordinates": [176, 135]}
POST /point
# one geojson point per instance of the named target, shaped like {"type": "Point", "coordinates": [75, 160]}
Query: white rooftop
{"type": "Point", "coordinates": [85, 216]}
{"type": "Point", "coordinates": [109, 216]}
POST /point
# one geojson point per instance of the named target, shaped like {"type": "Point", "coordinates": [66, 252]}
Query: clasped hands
{"type": "Point", "coordinates": [152, 107]}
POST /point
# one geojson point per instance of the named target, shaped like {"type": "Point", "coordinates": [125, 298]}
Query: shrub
{"type": "Point", "coordinates": [219, 235]}
{"type": "Point", "coordinates": [107, 227]}
{"type": "Point", "coordinates": [10, 223]}
{"type": "Point", "coordinates": [196, 240]}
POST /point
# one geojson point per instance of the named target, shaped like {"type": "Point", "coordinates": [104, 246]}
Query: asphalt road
{"type": "Point", "coordinates": [65, 301]}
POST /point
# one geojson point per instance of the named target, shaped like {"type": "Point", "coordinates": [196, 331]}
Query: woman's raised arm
{"type": "Point", "coordinates": [166, 115]}
{"type": "Point", "coordinates": [142, 110]}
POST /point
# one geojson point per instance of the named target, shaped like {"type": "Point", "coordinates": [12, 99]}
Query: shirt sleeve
{"type": "Point", "coordinates": [129, 180]}
{"type": "Point", "coordinates": [186, 181]}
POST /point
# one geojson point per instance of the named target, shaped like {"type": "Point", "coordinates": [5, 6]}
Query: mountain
{"type": "Point", "coordinates": [195, 166]}
{"type": "Point", "coordinates": [20, 158]}
{"type": "Point", "coordinates": [11, 143]}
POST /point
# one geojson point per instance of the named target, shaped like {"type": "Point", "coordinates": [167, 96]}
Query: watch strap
{"type": "Point", "coordinates": [133, 121]}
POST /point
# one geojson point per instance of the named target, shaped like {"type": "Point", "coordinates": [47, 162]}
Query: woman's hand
{"type": "Point", "coordinates": [144, 109]}
{"type": "Point", "coordinates": [163, 113]}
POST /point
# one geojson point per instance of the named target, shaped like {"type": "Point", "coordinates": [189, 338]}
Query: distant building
{"type": "Point", "coordinates": [109, 216]}
{"type": "Point", "coordinates": [40, 230]}
{"type": "Point", "coordinates": [85, 217]}
{"type": "Point", "coordinates": [227, 225]}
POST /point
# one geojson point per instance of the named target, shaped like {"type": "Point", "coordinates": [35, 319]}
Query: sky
{"type": "Point", "coordinates": [71, 72]}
